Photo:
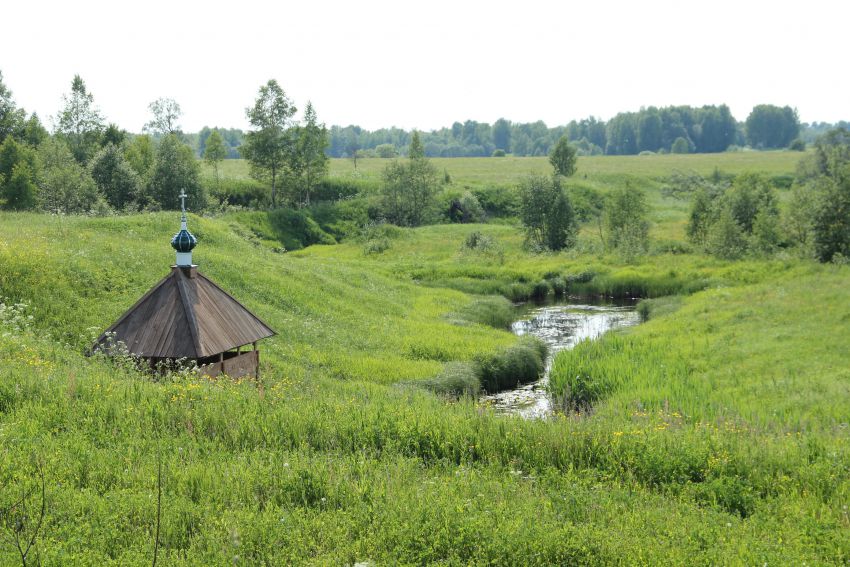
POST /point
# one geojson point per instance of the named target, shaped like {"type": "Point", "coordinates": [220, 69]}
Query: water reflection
{"type": "Point", "coordinates": [560, 327]}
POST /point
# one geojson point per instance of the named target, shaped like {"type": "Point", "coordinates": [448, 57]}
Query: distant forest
{"type": "Point", "coordinates": [678, 129]}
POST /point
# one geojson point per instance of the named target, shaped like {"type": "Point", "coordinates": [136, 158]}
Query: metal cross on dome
{"type": "Point", "coordinates": [183, 196]}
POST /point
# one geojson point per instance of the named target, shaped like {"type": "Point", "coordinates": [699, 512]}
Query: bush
{"type": "Point", "coordinates": [626, 227]}
{"type": "Point", "coordinates": [680, 146]}
{"type": "Point", "coordinates": [229, 192]}
{"type": "Point", "coordinates": [546, 212]}
{"type": "Point", "coordinates": [462, 208]}
{"type": "Point", "coordinates": [386, 151]}
{"type": "Point", "coordinates": [726, 237]}
{"type": "Point", "coordinates": [782, 181]}
{"type": "Point", "coordinates": [797, 145]}
{"type": "Point", "coordinates": [519, 364]}
{"type": "Point", "coordinates": [498, 201]}
{"type": "Point", "coordinates": [337, 188]}
{"type": "Point", "coordinates": [499, 153]}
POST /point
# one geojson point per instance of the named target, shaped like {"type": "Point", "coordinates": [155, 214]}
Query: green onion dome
{"type": "Point", "coordinates": [184, 241]}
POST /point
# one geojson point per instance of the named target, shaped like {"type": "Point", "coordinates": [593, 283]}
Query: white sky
{"type": "Point", "coordinates": [428, 63]}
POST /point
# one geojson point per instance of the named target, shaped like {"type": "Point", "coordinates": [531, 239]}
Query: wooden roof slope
{"type": "Point", "coordinates": [184, 316]}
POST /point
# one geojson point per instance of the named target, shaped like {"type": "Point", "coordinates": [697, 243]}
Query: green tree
{"type": "Point", "coordinates": [700, 218]}
{"type": "Point", "coordinates": [12, 153]}
{"type": "Point", "coordinates": [65, 186]}
{"type": "Point", "coordinates": [626, 226]}
{"type": "Point", "coordinates": [214, 152]}
{"type": "Point", "coordinates": [766, 236]}
{"type": "Point", "coordinates": [821, 204]}
{"type": "Point", "coordinates": [115, 179]}
{"type": "Point", "coordinates": [269, 146]}
{"type": "Point", "coordinates": [352, 146]}
{"type": "Point", "coordinates": [831, 222]}
{"type": "Point", "coordinates": [175, 170]}
{"type": "Point", "coordinates": [416, 150]}
{"type": "Point", "coordinates": [113, 135]}
{"type": "Point", "coordinates": [409, 189]}
{"type": "Point", "coordinates": [770, 126]}
{"type": "Point", "coordinates": [726, 238]}
{"type": "Point", "coordinates": [141, 155]}
{"type": "Point", "coordinates": [79, 122]}
{"type": "Point", "coordinates": [386, 151]}
{"type": "Point", "coordinates": [310, 162]}
{"type": "Point", "coordinates": [561, 224]}
{"type": "Point", "coordinates": [166, 112]}
{"type": "Point", "coordinates": [19, 191]}
{"type": "Point", "coordinates": [798, 217]}
{"type": "Point", "coordinates": [750, 194]}
{"type": "Point", "coordinates": [563, 157]}
{"type": "Point", "coordinates": [502, 135]}
{"type": "Point", "coordinates": [33, 133]}
{"type": "Point", "coordinates": [546, 213]}
{"type": "Point", "coordinates": [11, 117]}
{"type": "Point", "coordinates": [680, 146]}
{"type": "Point", "coordinates": [649, 130]}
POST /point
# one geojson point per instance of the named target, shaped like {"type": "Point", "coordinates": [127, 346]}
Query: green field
{"type": "Point", "coordinates": [509, 170]}
{"type": "Point", "coordinates": [718, 431]}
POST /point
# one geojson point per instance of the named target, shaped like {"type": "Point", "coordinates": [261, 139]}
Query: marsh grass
{"type": "Point", "coordinates": [658, 307]}
{"type": "Point", "coordinates": [457, 379]}
{"type": "Point", "coordinates": [516, 365]}
{"type": "Point", "coordinates": [495, 311]}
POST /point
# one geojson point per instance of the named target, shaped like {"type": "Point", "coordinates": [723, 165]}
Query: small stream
{"type": "Point", "coordinates": [560, 326]}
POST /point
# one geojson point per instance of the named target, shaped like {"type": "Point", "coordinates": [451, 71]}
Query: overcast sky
{"type": "Point", "coordinates": [426, 64]}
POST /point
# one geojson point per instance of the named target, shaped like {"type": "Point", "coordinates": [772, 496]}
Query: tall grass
{"type": "Point", "coordinates": [716, 431]}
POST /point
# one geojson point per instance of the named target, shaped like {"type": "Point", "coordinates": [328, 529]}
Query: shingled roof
{"type": "Point", "coordinates": [185, 315]}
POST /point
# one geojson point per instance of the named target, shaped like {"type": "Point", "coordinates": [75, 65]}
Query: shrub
{"type": "Point", "coordinates": [386, 151]}
{"type": "Point", "coordinates": [463, 208]}
{"type": "Point", "coordinates": [499, 153]}
{"type": "Point", "coordinates": [546, 213]}
{"type": "Point", "coordinates": [726, 237]}
{"type": "Point", "coordinates": [376, 246]}
{"type": "Point", "coordinates": [680, 146]}
{"type": "Point", "coordinates": [229, 192]}
{"type": "Point", "coordinates": [498, 201]}
{"type": "Point", "coordinates": [626, 227]}
{"type": "Point", "coordinates": [782, 181]}
{"type": "Point", "coordinates": [797, 145]}
{"type": "Point", "coordinates": [337, 188]}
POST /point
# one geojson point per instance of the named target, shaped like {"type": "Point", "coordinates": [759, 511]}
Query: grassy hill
{"type": "Point", "coordinates": [717, 435]}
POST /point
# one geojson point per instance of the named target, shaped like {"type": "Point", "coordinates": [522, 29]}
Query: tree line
{"type": "Point", "coordinates": [677, 129]}
{"type": "Point", "coordinates": [90, 166]}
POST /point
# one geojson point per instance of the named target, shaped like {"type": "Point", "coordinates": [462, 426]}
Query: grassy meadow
{"type": "Point", "coordinates": [714, 433]}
